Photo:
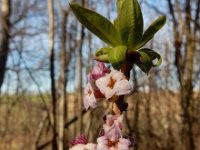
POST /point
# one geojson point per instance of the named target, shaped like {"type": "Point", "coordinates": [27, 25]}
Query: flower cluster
{"type": "Point", "coordinates": [111, 138]}
{"type": "Point", "coordinates": [81, 143]}
{"type": "Point", "coordinates": [104, 83]}
{"type": "Point", "coordinates": [123, 52]}
{"type": "Point", "coordinates": [108, 84]}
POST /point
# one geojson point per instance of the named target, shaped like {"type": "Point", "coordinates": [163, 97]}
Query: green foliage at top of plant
{"type": "Point", "coordinates": [124, 36]}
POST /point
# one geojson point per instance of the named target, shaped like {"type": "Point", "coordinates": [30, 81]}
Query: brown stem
{"type": "Point", "coordinates": [119, 105]}
{"type": "Point", "coordinates": [126, 68]}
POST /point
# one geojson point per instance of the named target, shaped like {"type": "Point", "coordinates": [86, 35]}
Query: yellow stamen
{"type": "Point", "coordinates": [111, 83]}
{"type": "Point", "coordinates": [113, 143]}
{"type": "Point", "coordinates": [89, 92]}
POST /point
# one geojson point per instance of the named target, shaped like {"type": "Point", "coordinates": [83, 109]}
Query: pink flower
{"type": "Point", "coordinates": [114, 84]}
{"type": "Point", "coordinates": [92, 92]}
{"type": "Point", "coordinates": [113, 126]}
{"type": "Point", "coordinates": [96, 91]}
{"type": "Point", "coordinates": [113, 119]}
{"type": "Point", "coordinates": [80, 143]}
{"type": "Point", "coordinates": [112, 138]}
{"type": "Point", "coordinates": [99, 70]}
{"type": "Point", "coordinates": [89, 99]}
{"type": "Point", "coordinates": [124, 144]}
{"type": "Point", "coordinates": [104, 143]}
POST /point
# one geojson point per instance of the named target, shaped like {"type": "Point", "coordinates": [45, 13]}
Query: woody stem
{"type": "Point", "coordinates": [119, 104]}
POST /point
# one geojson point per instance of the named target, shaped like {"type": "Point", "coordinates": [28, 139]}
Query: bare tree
{"type": "Point", "coordinates": [63, 105]}
{"type": "Point", "coordinates": [80, 66]}
{"type": "Point", "coordinates": [52, 76]}
{"type": "Point", "coordinates": [4, 37]}
{"type": "Point", "coordinates": [184, 61]}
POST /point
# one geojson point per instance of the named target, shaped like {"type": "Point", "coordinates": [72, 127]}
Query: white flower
{"type": "Point", "coordinates": [114, 84]}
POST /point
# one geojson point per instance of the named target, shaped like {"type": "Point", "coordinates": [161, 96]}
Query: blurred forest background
{"type": "Point", "coordinates": [45, 55]}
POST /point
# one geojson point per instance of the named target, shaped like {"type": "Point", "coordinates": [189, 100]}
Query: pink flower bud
{"type": "Point", "coordinates": [79, 140]}
{"type": "Point", "coordinates": [99, 70]}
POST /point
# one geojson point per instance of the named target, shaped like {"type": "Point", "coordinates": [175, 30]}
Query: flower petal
{"type": "Point", "coordinates": [89, 99]}
{"type": "Point", "coordinates": [78, 147]}
{"type": "Point", "coordinates": [102, 82]}
{"type": "Point", "coordinates": [90, 146]}
{"type": "Point", "coordinates": [99, 71]}
{"type": "Point", "coordinates": [89, 102]}
{"type": "Point", "coordinates": [109, 93]}
{"type": "Point", "coordinates": [79, 140]}
{"type": "Point", "coordinates": [112, 127]}
{"type": "Point", "coordinates": [114, 83]}
{"type": "Point", "coordinates": [122, 87]}
{"type": "Point", "coordinates": [102, 143]}
{"type": "Point", "coordinates": [123, 144]}
{"type": "Point", "coordinates": [117, 75]}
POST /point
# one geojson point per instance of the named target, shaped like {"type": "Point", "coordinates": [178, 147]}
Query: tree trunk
{"type": "Point", "coordinates": [52, 76]}
{"type": "Point", "coordinates": [4, 37]}
{"type": "Point", "coordinates": [137, 109]}
{"type": "Point", "coordinates": [63, 83]}
{"type": "Point", "coordinates": [184, 65]}
{"type": "Point", "coordinates": [187, 133]}
{"type": "Point", "coordinates": [80, 94]}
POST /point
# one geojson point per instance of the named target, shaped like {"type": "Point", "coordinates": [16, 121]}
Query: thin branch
{"type": "Point", "coordinates": [66, 126]}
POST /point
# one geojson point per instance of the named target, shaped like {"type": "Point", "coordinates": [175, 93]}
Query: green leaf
{"type": "Point", "coordinates": [119, 5]}
{"type": "Point", "coordinates": [146, 60]}
{"type": "Point", "coordinates": [152, 29]}
{"type": "Point", "coordinates": [130, 23]}
{"type": "Point", "coordinates": [145, 64]}
{"type": "Point", "coordinates": [152, 55]}
{"type": "Point", "coordinates": [117, 55]}
{"type": "Point", "coordinates": [97, 24]}
{"type": "Point", "coordinates": [102, 54]}
{"type": "Point", "coordinates": [116, 24]}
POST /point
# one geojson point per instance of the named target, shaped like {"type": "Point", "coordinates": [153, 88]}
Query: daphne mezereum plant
{"type": "Point", "coordinates": [125, 39]}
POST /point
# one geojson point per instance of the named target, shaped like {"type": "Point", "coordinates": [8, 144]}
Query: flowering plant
{"type": "Point", "coordinates": [125, 39]}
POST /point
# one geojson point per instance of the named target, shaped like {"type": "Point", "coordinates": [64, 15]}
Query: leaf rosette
{"type": "Point", "coordinates": [123, 37]}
